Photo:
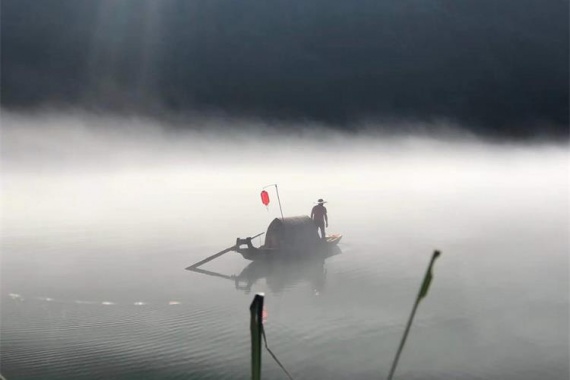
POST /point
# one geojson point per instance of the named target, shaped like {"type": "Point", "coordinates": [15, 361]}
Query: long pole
{"type": "Point", "coordinates": [278, 199]}
{"type": "Point", "coordinates": [256, 328]}
{"type": "Point", "coordinates": [421, 294]}
{"type": "Point", "coordinates": [210, 258]}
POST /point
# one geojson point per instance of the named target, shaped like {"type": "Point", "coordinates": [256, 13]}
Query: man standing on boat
{"type": "Point", "coordinates": [319, 216]}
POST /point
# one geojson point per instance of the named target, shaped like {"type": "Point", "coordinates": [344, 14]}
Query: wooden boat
{"type": "Point", "coordinates": [288, 238]}
{"type": "Point", "coordinates": [264, 253]}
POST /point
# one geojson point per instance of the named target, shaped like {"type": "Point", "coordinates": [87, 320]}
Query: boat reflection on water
{"type": "Point", "coordinates": [282, 274]}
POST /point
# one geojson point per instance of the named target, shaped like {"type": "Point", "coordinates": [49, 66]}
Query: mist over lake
{"type": "Point", "coordinates": [101, 215]}
{"type": "Point", "coordinates": [137, 136]}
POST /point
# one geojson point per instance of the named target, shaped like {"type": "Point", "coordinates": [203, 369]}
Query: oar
{"type": "Point", "coordinates": [210, 258]}
{"type": "Point", "coordinates": [259, 234]}
{"type": "Point", "coordinates": [213, 274]}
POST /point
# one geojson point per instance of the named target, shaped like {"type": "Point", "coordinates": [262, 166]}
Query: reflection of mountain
{"type": "Point", "coordinates": [281, 274]}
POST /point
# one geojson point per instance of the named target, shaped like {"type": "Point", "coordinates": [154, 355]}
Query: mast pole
{"type": "Point", "coordinates": [279, 200]}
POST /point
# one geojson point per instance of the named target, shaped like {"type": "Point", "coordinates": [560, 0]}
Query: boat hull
{"type": "Point", "coordinates": [323, 248]}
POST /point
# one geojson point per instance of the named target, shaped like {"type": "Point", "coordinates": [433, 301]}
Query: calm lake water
{"type": "Point", "coordinates": [98, 226]}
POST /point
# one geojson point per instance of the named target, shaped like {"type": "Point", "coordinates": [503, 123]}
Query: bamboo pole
{"type": "Point", "coordinates": [256, 328]}
{"type": "Point", "coordinates": [215, 256]}
{"type": "Point", "coordinates": [421, 294]}
{"type": "Point", "coordinates": [278, 199]}
{"type": "Point", "coordinates": [210, 258]}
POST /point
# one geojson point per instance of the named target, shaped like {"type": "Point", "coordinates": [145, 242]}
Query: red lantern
{"type": "Point", "coordinates": [265, 197]}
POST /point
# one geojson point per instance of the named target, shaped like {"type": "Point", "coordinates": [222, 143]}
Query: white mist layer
{"type": "Point", "coordinates": [107, 177]}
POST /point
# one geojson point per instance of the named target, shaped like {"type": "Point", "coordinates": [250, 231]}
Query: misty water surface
{"type": "Point", "coordinates": [100, 217]}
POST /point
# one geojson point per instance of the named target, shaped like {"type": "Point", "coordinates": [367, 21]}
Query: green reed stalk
{"type": "Point", "coordinates": [421, 294]}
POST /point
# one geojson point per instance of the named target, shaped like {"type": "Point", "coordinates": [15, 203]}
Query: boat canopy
{"type": "Point", "coordinates": [291, 233]}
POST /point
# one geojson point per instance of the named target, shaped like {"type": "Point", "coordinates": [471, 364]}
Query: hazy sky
{"type": "Point", "coordinates": [497, 67]}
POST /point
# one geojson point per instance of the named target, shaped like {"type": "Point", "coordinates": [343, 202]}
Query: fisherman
{"type": "Point", "coordinates": [319, 216]}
